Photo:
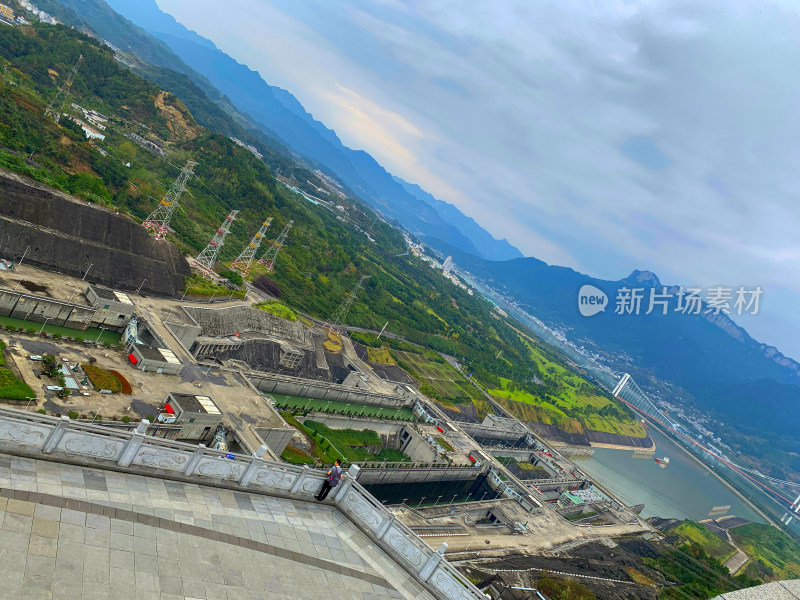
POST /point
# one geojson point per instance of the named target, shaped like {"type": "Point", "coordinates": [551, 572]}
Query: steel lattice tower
{"type": "Point", "coordinates": [341, 313]}
{"type": "Point", "coordinates": [158, 221]}
{"type": "Point", "coordinates": [56, 105]}
{"type": "Point", "coordinates": [272, 253]}
{"type": "Point", "coordinates": [245, 259]}
{"type": "Point", "coordinates": [206, 259]}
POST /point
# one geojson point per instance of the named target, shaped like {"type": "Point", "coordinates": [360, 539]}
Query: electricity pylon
{"type": "Point", "coordinates": [158, 221]}
{"type": "Point", "coordinates": [272, 253]}
{"type": "Point", "coordinates": [242, 264]}
{"type": "Point", "coordinates": [55, 108]}
{"type": "Point", "coordinates": [206, 259]}
{"type": "Point", "coordinates": [341, 313]}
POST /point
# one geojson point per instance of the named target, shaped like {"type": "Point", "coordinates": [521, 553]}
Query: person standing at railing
{"type": "Point", "coordinates": [331, 481]}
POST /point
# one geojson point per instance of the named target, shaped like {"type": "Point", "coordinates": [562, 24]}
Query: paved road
{"type": "Point", "coordinates": [736, 562]}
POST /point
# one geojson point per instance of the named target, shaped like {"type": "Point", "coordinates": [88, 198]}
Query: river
{"type": "Point", "coordinates": [684, 489]}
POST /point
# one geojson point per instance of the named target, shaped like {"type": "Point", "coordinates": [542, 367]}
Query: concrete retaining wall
{"type": "Point", "coordinates": [66, 235]}
{"type": "Point", "coordinates": [184, 333]}
{"type": "Point", "coordinates": [418, 475]}
{"type": "Point", "coordinates": [292, 386]}
{"type": "Point", "coordinates": [35, 308]}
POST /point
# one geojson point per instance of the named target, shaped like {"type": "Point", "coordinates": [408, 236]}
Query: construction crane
{"type": "Point", "coordinates": [55, 108]}
{"type": "Point", "coordinates": [242, 264]}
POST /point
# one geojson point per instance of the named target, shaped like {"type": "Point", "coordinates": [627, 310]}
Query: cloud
{"type": "Point", "coordinates": [603, 136]}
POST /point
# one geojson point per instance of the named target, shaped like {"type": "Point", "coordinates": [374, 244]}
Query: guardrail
{"type": "Point", "coordinates": [59, 438]}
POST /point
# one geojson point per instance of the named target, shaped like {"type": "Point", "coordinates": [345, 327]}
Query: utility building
{"type": "Point", "coordinates": [197, 416]}
{"type": "Point", "coordinates": [114, 309]}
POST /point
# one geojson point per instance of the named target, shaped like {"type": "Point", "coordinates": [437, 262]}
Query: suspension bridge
{"type": "Point", "coordinates": [623, 387]}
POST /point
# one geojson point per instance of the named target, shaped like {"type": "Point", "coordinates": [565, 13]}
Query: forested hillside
{"type": "Point", "coordinates": [327, 251]}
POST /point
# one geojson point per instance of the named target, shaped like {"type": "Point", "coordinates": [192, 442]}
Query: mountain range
{"type": "Point", "coordinates": [750, 388]}
{"type": "Point", "coordinates": [237, 88]}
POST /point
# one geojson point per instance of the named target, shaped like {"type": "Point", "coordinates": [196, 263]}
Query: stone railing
{"type": "Point", "coordinates": [54, 438]}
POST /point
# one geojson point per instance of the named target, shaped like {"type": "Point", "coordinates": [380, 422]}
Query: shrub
{"type": "Point", "coordinates": [197, 285]}
{"type": "Point", "coordinates": [73, 414]}
{"type": "Point", "coordinates": [79, 339]}
{"type": "Point", "coordinates": [125, 387]}
{"type": "Point", "coordinates": [125, 419]}
{"type": "Point", "coordinates": [278, 309]}
{"type": "Point", "coordinates": [13, 388]}
{"type": "Point", "coordinates": [101, 379]}
{"type": "Point", "coordinates": [30, 330]}
{"type": "Point", "coordinates": [42, 411]}
{"type": "Point", "coordinates": [57, 336]}
{"type": "Point", "coordinates": [232, 276]}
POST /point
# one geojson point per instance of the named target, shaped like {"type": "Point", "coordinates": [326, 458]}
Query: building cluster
{"type": "Point", "coordinates": [90, 132]}
{"type": "Point", "coordinates": [96, 119]}
{"type": "Point", "coordinates": [146, 144]}
{"type": "Point", "coordinates": [39, 14]}
{"type": "Point", "coordinates": [337, 188]}
{"type": "Point", "coordinates": [446, 267]}
{"type": "Point", "coordinates": [6, 12]}
{"type": "Point", "coordinates": [249, 147]}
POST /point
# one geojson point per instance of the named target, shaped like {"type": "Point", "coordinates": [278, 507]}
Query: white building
{"type": "Point", "coordinates": [447, 265]}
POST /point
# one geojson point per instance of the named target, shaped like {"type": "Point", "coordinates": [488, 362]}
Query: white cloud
{"type": "Point", "coordinates": [517, 112]}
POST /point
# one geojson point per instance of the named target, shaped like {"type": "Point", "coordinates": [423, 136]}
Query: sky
{"type": "Point", "coordinates": [603, 136]}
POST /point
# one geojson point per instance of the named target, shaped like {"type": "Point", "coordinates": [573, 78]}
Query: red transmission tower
{"type": "Point", "coordinates": [158, 221]}
{"type": "Point", "coordinates": [206, 259]}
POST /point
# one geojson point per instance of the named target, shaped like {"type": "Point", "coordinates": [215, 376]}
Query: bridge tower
{"type": "Point", "coordinates": [158, 221]}
{"type": "Point", "coordinates": [242, 264]}
{"type": "Point", "coordinates": [272, 252]}
{"type": "Point", "coordinates": [341, 312]}
{"type": "Point", "coordinates": [56, 106]}
{"type": "Point", "coordinates": [206, 259]}
{"type": "Point", "coordinates": [621, 385]}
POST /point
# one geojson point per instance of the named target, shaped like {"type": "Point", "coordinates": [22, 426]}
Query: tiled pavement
{"type": "Point", "coordinates": [70, 532]}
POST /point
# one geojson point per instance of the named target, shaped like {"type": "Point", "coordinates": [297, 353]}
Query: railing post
{"type": "Point", "coordinates": [250, 470]}
{"type": "Point", "coordinates": [384, 527]}
{"type": "Point", "coordinates": [433, 561]}
{"type": "Point", "coordinates": [195, 460]}
{"type": "Point", "coordinates": [298, 483]}
{"type": "Point", "coordinates": [133, 445]}
{"type": "Point", "coordinates": [56, 435]}
{"type": "Point", "coordinates": [344, 486]}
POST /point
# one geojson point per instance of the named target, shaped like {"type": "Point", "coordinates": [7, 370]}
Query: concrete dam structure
{"type": "Point", "coordinates": [58, 232]}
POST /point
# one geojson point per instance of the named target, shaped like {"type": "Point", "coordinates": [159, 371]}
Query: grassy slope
{"type": "Point", "coordinates": [448, 385]}
{"type": "Point", "coordinates": [278, 309]}
{"type": "Point", "coordinates": [697, 533]}
{"type": "Point", "coordinates": [773, 554]}
{"type": "Point", "coordinates": [380, 356]}
{"type": "Point", "coordinates": [569, 399]}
